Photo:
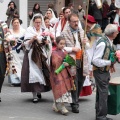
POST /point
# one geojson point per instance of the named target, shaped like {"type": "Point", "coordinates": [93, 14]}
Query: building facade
{"type": "Point", "coordinates": [25, 6]}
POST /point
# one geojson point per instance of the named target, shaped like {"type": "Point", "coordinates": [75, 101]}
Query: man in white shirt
{"type": "Point", "coordinates": [102, 63]}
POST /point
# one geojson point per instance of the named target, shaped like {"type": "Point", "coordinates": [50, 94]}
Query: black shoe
{"type": "Point", "coordinates": [0, 100]}
{"type": "Point", "coordinates": [75, 110]}
{"type": "Point", "coordinates": [35, 100]}
{"type": "Point", "coordinates": [105, 118]}
{"type": "Point", "coordinates": [109, 118]}
{"type": "Point", "coordinates": [39, 96]}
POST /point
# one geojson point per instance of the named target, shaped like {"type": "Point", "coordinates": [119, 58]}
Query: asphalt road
{"type": "Point", "coordinates": [18, 106]}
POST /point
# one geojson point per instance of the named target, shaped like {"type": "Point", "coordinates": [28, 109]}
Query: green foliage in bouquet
{"type": "Point", "coordinates": [113, 57]}
{"type": "Point", "coordinates": [68, 59]}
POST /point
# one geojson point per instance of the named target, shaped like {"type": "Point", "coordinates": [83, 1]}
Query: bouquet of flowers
{"type": "Point", "coordinates": [45, 39]}
{"type": "Point", "coordinates": [47, 36]}
{"type": "Point", "coordinates": [113, 57]}
{"type": "Point", "coordinates": [118, 55]}
{"type": "Point", "coordinates": [68, 59]}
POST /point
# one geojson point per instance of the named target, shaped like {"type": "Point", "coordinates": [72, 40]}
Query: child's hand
{"type": "Point", "coordinates": [75, 49]}
{"type": "Point", "coordinates": [65, 64]}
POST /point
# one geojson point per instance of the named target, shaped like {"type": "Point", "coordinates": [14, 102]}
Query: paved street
{"type": "Point", "coordinates": [18, 106]}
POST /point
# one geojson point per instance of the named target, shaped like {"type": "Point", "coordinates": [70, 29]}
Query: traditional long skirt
{"type": "Point", "coordinates": [25, 85]}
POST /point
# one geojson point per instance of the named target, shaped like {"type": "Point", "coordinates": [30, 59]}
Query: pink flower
{"type": "Point", "coordinates": [118, 55]}
{"type": "Point", "coordinates": [47, 34]}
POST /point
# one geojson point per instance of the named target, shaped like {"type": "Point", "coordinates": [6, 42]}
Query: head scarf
{"type": "Point", "coordinates": [43, 23]}
{"type": "Point", "coordinates": [53, 20]}
{"type": "Point", "coordinates": [53, 14]}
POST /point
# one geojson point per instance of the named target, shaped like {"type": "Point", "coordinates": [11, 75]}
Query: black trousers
{"type": "Point", "coordinates": [79, 80]}
{"type": "Point", "coordinates": [102, 82]}
{"type": "Point", "coordinates": [2, 68]}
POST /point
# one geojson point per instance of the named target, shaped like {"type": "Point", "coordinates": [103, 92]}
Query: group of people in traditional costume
{"type": "Point", "coordinates": [56, 53]}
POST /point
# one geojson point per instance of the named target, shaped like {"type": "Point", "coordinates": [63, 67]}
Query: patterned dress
{"type": "Point", "coordinates": [61, 83]}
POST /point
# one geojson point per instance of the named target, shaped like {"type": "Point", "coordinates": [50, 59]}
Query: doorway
{"type": "Point", "coordinates": [67, 2]}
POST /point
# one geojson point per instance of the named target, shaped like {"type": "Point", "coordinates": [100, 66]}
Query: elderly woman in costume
{"type": "Point", "coordinates": [17, 33]}
{"type": "Point", "coordinates": [35, 70]}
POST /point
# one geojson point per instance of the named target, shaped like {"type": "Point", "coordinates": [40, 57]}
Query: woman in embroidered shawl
{"type": "Point", "coordinates": [17, 33]}
{"type": "Point", "coordinates": [35, 71]}
{"type": "Point", "coordinates": [62, 82]}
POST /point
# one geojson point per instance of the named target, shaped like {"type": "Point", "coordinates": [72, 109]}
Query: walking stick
{"type": "Point", "coordinates": [85, 58]}
{"type": "Point", "coordinates": [86, 18]}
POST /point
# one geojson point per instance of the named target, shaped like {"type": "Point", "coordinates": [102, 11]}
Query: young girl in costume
{"type": "Point", "coordinates": [62, 82]}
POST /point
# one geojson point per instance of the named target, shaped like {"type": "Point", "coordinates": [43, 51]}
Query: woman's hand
{"type": "Point", "coordinates": [7, 39]}
{"type": "Point", "coordinates": [30, 13]}
{"type": "Point", "coordinates": [33, 39]}
{"type": "Point", "coordinates": [15, 15]}
{"type": "Point", "coordinates": [9, 7]}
